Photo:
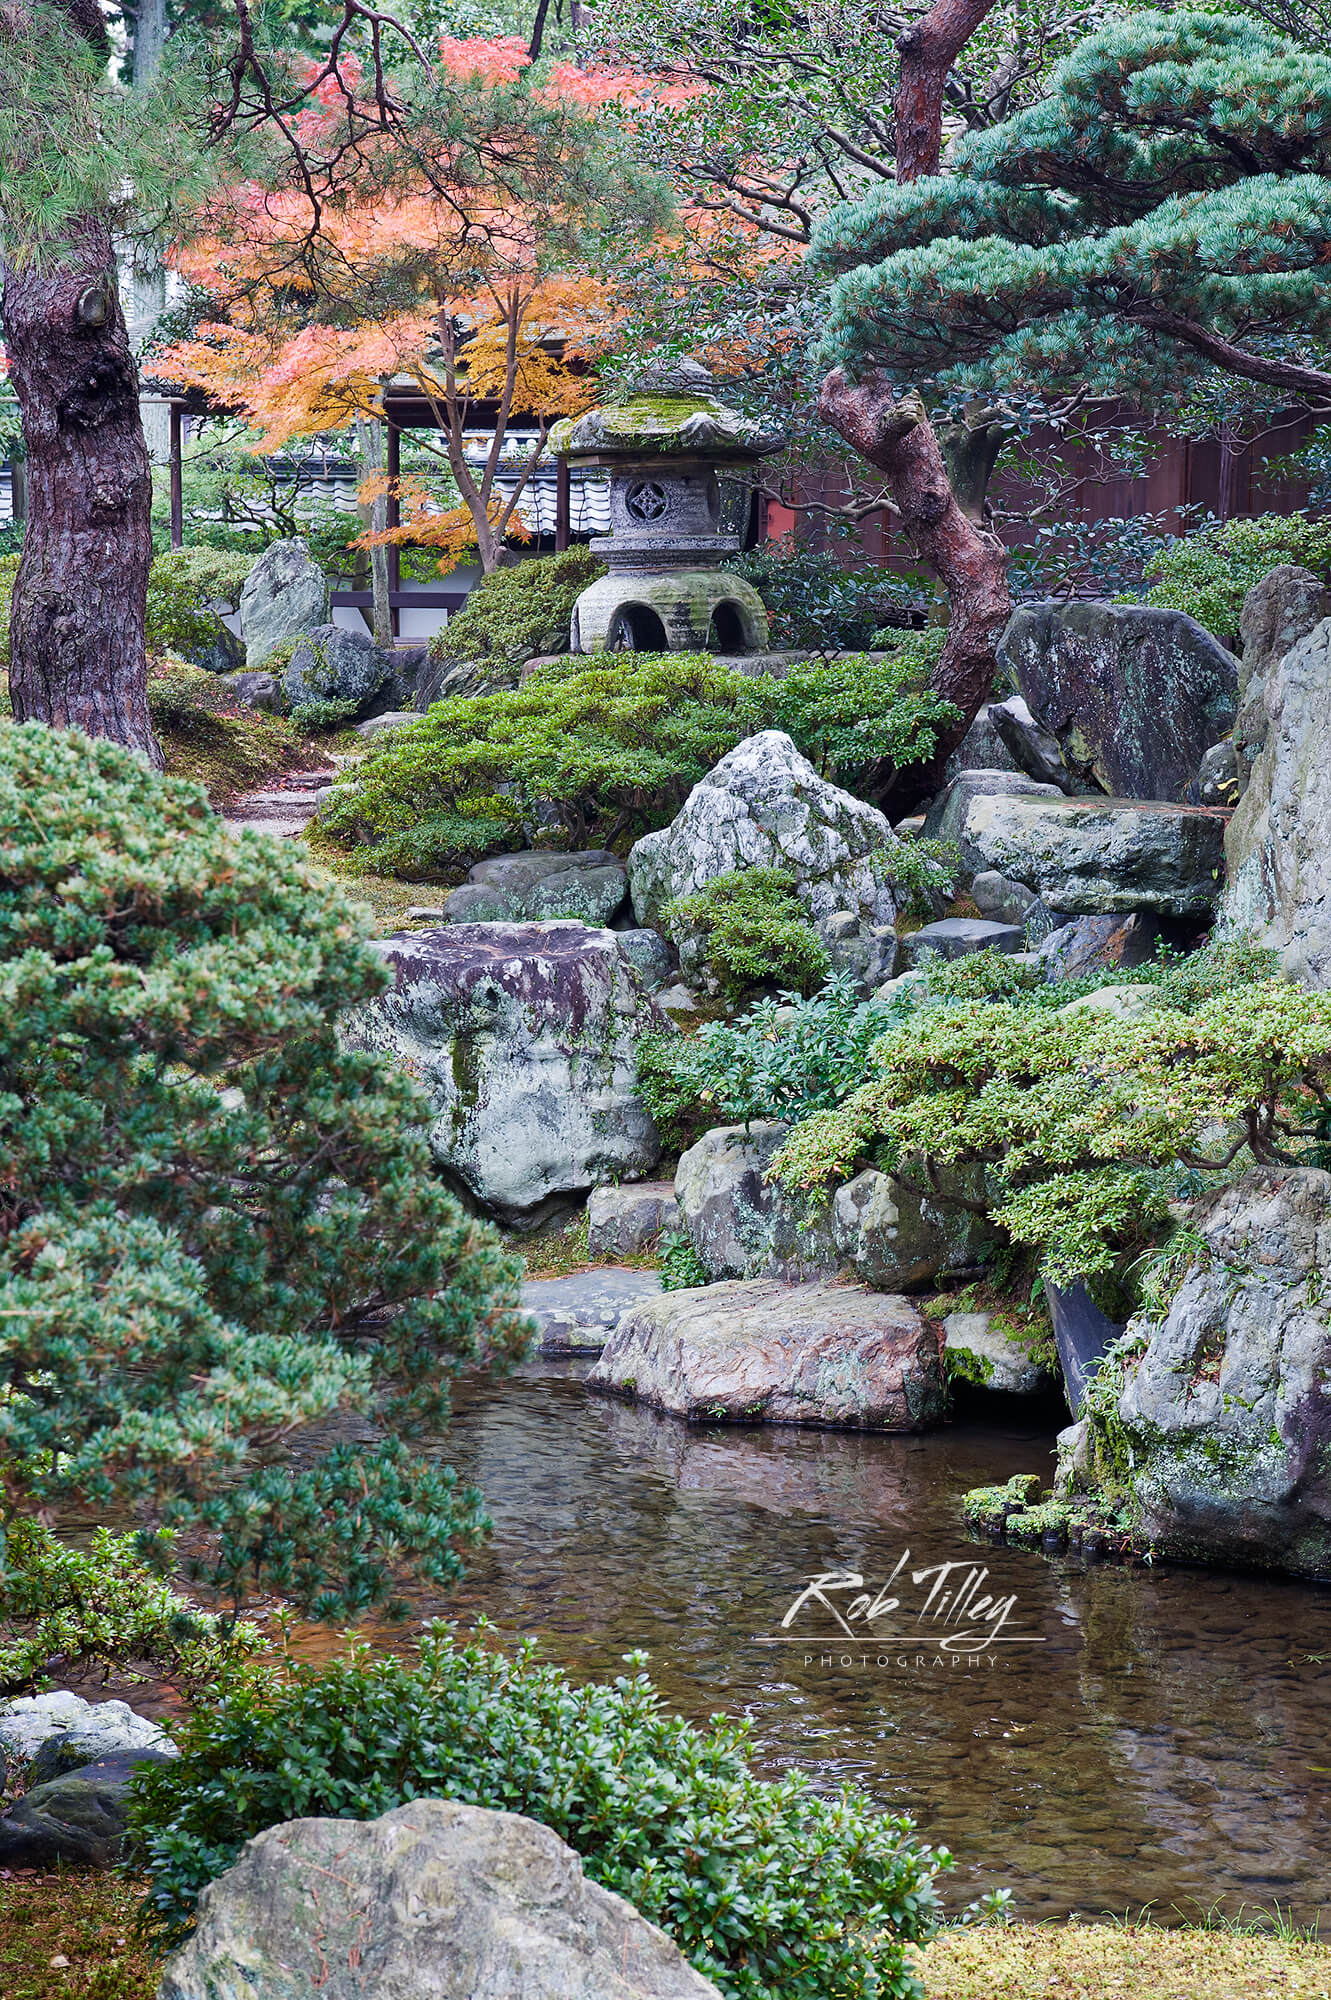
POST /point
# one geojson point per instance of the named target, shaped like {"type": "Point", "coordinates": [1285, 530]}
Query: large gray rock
{"type": "Point", "coordinates": [946, 817]}
{"type": "Point", "coordinates": [78, 1818]}
{"type": "Point", "coordinates": [1133, 693]}
{"type": "Point", "coordinates": [261, 692]}
{"type": "Point", "coordinates": [285, 594]}
{"type": "Point", "coordinates": [1227, 1413]}
{"type": "Point", "coordinates": [649, 955]}
{"type": "Point", "coordinates": [1102, 857]}
{"type": "Point", "coordinates": [1001, 899]}
{"type": "Point", "coordinates": [958, 937]}
{"type": "Point", "coordinates": [1030, 747]}
{"type": "Point", "coordinates": [330, 664]}
{"type": "Point", "coordinates": [764, 806]}
{"type": "Point", "coordinates": [766, 1352]}
{"type": "Point", "coordinates": [523, 1037]}
{"type": "Point", "coordinates": [741, 1225]}
{"type": "Point", "coordinates": [434, 1901]}
{"type": "Point", "coordinates": [625, 1221]}
{"type": "Point", "coordinates": [1098, 944]}
{"type": "Point", "coordinates": [1278, 847]}
{"type": "Point", "coordinates": [977, 1350]}
{"type": "Point", "coordinates": [57, 1732]}
{"type": "Point", "coordinates": [577, 1314]}
{"type": "Point", "coordinates": [537, 887]}
{"type": "Point", "coordinates": [1277, 612]}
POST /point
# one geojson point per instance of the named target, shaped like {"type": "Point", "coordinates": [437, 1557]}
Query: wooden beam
{"type": "Point", "coordinates": [563, 506]}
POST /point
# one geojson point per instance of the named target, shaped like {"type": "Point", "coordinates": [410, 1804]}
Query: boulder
{"type": "Point", "coordinates": [223, 653]}
{"type": "Point", "coordinates": [760, 1351]}
{"type": "Point", "coordinates": [78, 1818]}
{"type": "Point", "coordinates": [957, 937]}
{"type": "Point", "coordinates": [1278, 846]}
{"type": "Point", "coordinates": [946, 817]}
{"type": "Point", "coordinates": [1133, 693]}
{"type": "Point", "coordinates": [57, 1732]}
{"type": "Point", "coordinates": [764, 806]}
{"type": "Point", "coordinates": [436, 1900]}
{"type": "Point", "coordinates": [866, 953]}
{"type": "Point", "coordinates": [375, 726]}
{"type": "Point", "coordinates": [1030, 747]}
{"type": "Point", "coordinates": [625, 1221]}
{"type": "Point", "coordinates": [976, 1349]}
{"type": "Point", "coordinates": [577, 1314]}
{"type": "Point", "coordinates": [649, 955]}
{"type": "Point", "coordinates": [1277, 612]}
{"type": "Point", "coordinates": [982, 747]}
{"type": "Point", "coordinates": [1001, 899]}
{"type": "Point", "coordinates": [330, 664]}
{"type": "Point", "coordinates": [1098, 944]}
{"type": "Point", "coordinates": [285, 594]}
{"type": "Point", "coordinates": [1227, 1413]}
{"type": "Point", "coordinates": [535, 888]}
{"type": "Point", "coordinates": [1101, 857]}
{"type": "Point", "coordinates": [1120, 1003]}
{"type": "Point", "coordinates": [1220, 775]}
{"type": "Point", "coordinates": [524, 1039]}
{"type": "Point", "coordinates": [262, 692]}
{"type": "Point", "coordinates": [742, 1225]}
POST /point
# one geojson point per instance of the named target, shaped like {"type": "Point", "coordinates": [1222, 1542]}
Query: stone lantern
{"type": "Point", "coordinates": [677, 457]}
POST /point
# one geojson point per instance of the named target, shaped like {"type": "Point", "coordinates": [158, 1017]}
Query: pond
{"type": "Point", "coordinates": [1130, 1736]}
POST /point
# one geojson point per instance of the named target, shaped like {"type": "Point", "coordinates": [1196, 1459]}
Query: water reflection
{"type": "Point", "coordinates": [1165, 1743]}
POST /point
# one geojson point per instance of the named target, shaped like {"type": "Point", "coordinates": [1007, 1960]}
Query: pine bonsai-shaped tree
{"type": "Point", "coordinates": [1163, 216]}
{"type": "Point", "coordinates": [218, 1221]}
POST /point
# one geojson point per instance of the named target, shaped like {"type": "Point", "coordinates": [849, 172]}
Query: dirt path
{"type": "Point", "coordinates": [284, 808]}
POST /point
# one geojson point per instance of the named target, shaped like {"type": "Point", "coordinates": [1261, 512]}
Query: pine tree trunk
{"type": "Point", "coordinates": [892, 431]}
{"type": "Point", "coordinates": [77, 655]}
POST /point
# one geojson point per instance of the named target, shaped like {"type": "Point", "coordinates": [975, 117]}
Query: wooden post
{"type": "Point", "coordinates": [393, 467]}
{"type": "Point", "coordinates": [563, 505]}
{"type": "Point", "coordinates": [177, 464]}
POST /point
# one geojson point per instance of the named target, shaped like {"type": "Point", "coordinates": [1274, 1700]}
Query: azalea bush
{"type": "Point", "coordinates": [1088, 1126]}
{"type": "Point", "coordinates": [772, 1891]}
{"type": "Point", "coordinates": [219, 1221]}
{"type": "Point", "coordinates": [748, 928]}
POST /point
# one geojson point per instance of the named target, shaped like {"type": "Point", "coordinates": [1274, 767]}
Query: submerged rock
{"type": "Point", "coordinates": [524, 1038]}
{"type": "Point", "coordinates": [577, 1314]}
{"type": "Point", "coordinates": [760, 1351]}
{"type": "Point", "coordinates": [436, 1900]}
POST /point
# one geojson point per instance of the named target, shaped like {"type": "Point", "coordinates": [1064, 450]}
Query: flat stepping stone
{"type": "Point", "coordinates": [957, 937]}
{"type": "Point", "coordinates": [578, 1314]}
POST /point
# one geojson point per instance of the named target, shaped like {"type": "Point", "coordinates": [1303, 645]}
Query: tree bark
{"type": "Point", "coordinates": [77, 652]}
{"type": "Point", "coordinates": [370, 438]}
{"type": "Point", "coordinates": [928, 49]}
{"type": "Point", "coordinates": [892, 431]}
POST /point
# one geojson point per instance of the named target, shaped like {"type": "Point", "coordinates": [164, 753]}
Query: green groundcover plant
{"type": "Point", "coordinates": [218, 1220]}
{"type": "Point", "coordinates": [595, 752]}
{"type": "Point", "coordinates": [772, 1891]}
{"type": "Point", "coordinates": [1089, 1126]}
{"type": "Point", "coordinates": [1209, 574]}
{"type": "Point", "coordinates": [750, 929]}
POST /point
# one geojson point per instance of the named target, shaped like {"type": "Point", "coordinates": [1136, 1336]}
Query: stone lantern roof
{"type": "Point", "coordinates": [669, 413]}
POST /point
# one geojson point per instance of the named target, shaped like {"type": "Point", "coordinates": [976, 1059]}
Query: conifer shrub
{"type": "Point", "coordinates": [772, 1891]}
{"type": "Point", "coordinates": [219, 1222]}
{"type": "Point", "coordinates": [1209, 574]}
{"type": "Point", "coordinates": [748, 929]}
{"type": "Point", "coordinates": [515, 613]}
{"type": "Point", "coordinates": [593, 752]}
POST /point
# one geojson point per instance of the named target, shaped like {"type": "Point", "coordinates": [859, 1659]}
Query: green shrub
{"type": "Point", "coordinates": [814, 599]}
{"type": "Point", "coordinates": [749, 928]}
{"type": "Point", "coordinates": [772, 1891]}
{"type": "Point", "coordinates": [183, 584]}
{"type": "Point", "coordinates": [63, 1608]}
{"type": "Point", "coordinates": [851, 714]}
{"type": "Point", "coordinates": [514, 614]}
{"type": "Point", "coordinates": [1089, 1126]}
{"type": "Point", "coordinates": [594, 752]}
{"type": "Point", "coordinates": [1209, 574]}
{"type": "Point", "coordinates": [681, 1266]}
{"type": "Point", "coordinates": [309, 716]}
{"type": "Point", "coordinates": [780, 1060]}
{"type": "Point", "coordinates": [221, 1220]}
